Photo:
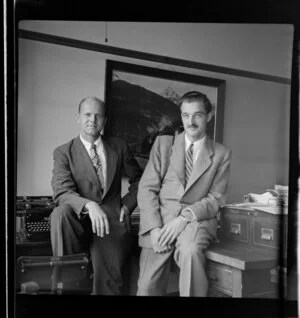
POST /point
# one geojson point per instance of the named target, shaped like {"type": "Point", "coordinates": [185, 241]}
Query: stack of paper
{"type": "Point", "coordinates": [269, 201]}
{"type": "Point", "coordinates": [265, 198]}
{"type": "Point", "coordinates": [273, 209]}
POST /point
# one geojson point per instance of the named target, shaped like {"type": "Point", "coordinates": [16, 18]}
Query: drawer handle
{"type": "Point", "coordinates": [235, 228]}
{"type": "Point", "coordinates": [267, 234]}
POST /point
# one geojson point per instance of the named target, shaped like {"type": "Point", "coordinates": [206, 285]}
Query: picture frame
{"type": "Point", "coordinates": [141, 103]}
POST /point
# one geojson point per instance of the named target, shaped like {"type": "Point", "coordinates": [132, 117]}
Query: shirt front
{"type": "Point", "coordinates": [101, 153]}
{"type": "Point", "coordinates": [198, 146]}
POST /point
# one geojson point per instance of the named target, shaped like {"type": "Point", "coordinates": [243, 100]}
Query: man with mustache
{"type": "Point", "coordinates": [179, 196]}
{"type": "Point", "coordinates": [91, 216]}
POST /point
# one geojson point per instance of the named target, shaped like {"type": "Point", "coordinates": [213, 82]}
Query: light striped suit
{"type": "Point", "coordinates": [161, 201]}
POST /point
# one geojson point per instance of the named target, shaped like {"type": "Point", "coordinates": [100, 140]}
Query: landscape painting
{"type": "Point", "coordinates": [142, 103]}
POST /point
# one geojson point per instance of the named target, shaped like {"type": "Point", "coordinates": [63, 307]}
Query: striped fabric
{"type": "Point", "coordinates": [97, 164]}
{"type": "Point", "coordinates": [189, 162]}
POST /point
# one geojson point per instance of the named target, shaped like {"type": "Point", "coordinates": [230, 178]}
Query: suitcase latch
{"type": "Point", "coordinates": [235, 228]}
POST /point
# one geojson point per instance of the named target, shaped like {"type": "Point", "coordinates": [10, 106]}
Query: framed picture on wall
{"type": "Point", "coordinates": [142, 103]}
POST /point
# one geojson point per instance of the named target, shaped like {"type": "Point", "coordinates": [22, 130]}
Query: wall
{"type": "Point", "coordinates": [254, 47]}
{"type": "Point", "coordinates": [53, 79]}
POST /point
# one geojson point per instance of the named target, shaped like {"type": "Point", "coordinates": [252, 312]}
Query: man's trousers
{"type": "Point", "coordinates": [71, 235]}
{"type": "Point", "coordinates": [189, 255]}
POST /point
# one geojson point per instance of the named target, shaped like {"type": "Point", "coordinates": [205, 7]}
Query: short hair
{"type": "Point", "coordinates": [90, 98]}
{"type": "Point", "coordinates": [193, 96]}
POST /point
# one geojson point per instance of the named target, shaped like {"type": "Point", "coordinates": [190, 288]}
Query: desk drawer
{"type": "Point", "coordinates": [235, 227]}
{"type": "Point", "coordinates": [219, 276]}
{"type": "Point", "coordinates": [266, 232]}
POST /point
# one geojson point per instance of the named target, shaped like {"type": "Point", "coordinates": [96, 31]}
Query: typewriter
{"type": "Point", "coordinates": [33, 218]}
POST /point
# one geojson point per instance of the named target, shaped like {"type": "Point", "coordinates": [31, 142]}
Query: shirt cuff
{"type": "Point", "coordinates": [83, 211]}
{"type": "Point", "coordinates": [188, 214]}
{"type": "Point", "coordinates": [125, 209]}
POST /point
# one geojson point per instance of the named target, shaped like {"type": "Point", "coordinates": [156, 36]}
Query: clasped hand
{"type": "Point", "coordinates": [99, 220]}
{"type": "Point", "coordinates": [162, 239]}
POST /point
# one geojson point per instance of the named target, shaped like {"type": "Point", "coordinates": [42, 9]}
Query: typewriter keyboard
{"type": "Point", "coordinates": [37, 227]}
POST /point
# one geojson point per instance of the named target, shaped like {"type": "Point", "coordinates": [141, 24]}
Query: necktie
{"type": "Point", "coordinates": [188, 163]}
{"type": "Point", "coordinates": [97, 164]}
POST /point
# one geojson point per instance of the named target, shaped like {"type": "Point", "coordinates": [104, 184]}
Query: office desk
{"type": "Point", "coordinates": [237, 271]}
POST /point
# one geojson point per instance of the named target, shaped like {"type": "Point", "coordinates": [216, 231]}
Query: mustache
{"type": "Point", "coordinates": [192, 126]}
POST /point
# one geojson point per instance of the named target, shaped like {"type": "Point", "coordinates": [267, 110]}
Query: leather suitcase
{"type": "Point", "coordinates": [55, 275]}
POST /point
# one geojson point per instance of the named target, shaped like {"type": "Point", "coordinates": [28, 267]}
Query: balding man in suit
{"type": "Point", "coordinates": [91, 216]}
{"type": "Point", "coordinates": [180, 193]}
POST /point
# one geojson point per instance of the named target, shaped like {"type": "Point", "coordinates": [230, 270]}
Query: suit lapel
{"type": "Point", "coordinates": [178, 158]}
{"type": "Point", "coordinates": [202, 163]}
{"type": "Point", "coordinates": [111, 164]}
{"type": "Point", "coordinates": [85, 160]}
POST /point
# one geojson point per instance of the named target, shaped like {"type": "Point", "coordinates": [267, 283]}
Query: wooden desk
{"type": "Point", "coordinates": [237, 271]}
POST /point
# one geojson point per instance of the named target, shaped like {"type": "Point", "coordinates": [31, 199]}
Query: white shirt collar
{"type": "Point", "coordinates": [88, 145]}
{"type": "Point", "coordinates": [197, 144]}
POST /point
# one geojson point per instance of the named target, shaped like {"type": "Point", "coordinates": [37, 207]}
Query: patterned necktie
{"type": "Point", "coordinates": [188, 163]}
{"type": "Point", "coordinates": [97, 164]}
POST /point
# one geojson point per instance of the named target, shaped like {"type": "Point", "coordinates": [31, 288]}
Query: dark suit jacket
{"type": "Point", "coordinates": [75, 181]}
{"type": "Point", "coordinates": [162, 197]}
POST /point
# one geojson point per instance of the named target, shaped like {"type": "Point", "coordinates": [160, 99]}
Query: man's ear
{"type": "Point", "coordinates": [77, 117]}
{"type": "Point", "coordinates": [209, 116]}
{"type": "Point", "coordinates": [102, 131]}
